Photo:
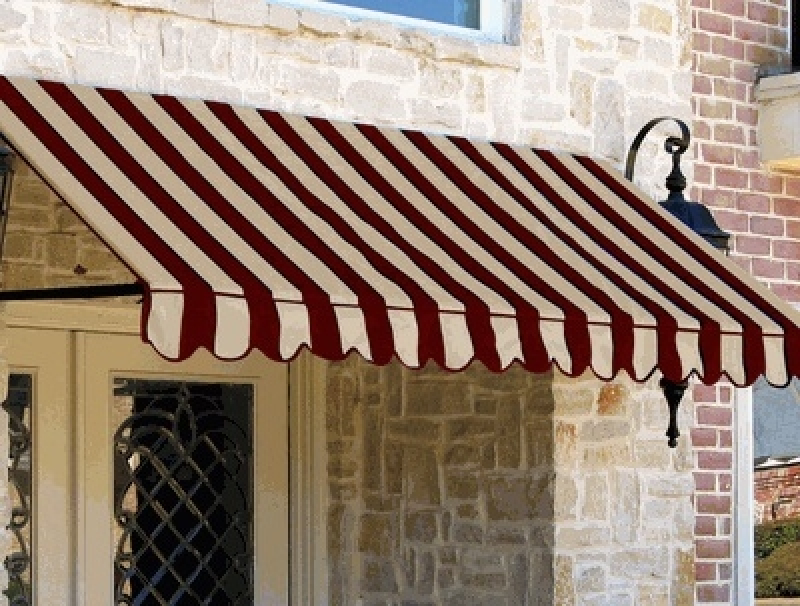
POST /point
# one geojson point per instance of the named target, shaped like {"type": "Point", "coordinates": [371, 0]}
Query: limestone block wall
{"type": "Point", "coordinates": [479, 489]}
{"type": "Point", "coordinates": [506, 489]}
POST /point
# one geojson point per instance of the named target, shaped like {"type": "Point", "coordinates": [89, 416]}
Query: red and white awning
{"type": "Point", "coordinates": [258, 229]}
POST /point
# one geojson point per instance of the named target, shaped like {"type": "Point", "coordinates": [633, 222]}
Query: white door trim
{"type": "Point", "coordinates": [744, 552]}
{"type": "Point", "coordinates": [307, 441]}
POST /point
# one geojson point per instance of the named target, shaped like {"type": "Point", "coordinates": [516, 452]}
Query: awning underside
{"type": "Point", "coordinates": [259, 229]}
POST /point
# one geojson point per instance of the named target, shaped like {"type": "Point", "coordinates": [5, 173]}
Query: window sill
{"type": "Point", "coordinates": [779, 127]}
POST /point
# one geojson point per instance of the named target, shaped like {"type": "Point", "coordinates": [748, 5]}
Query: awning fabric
{"type": "Point", "coordinates": [258, 229]}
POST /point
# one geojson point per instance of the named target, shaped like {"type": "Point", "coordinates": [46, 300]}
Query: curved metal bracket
{"type": "Point", "coordinates": [673, 145]}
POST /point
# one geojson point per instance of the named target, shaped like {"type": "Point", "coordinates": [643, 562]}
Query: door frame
{"type": "Point", "coordinates": [308, 490]}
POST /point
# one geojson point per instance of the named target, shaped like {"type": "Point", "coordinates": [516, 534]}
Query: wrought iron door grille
{"type": "Point", "coordinates": [183, 493]}
{"type": "Point", "coordinates": [18, 562]}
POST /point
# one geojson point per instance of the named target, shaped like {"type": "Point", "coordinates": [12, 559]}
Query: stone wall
{"type": "Point", "coordinates": [475, 488]}
{"type": "Point", "coordinates": [445, 489]}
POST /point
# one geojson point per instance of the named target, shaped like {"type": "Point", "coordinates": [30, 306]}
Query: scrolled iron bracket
{"type": "Point", "coordinates": [676, 183]}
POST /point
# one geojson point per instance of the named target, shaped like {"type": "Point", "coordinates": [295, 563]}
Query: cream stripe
{"type": "Point", "coordinates": [732, 358]}
{"type": "Point", "coordinates": [353, 331]}
{"type": "Point", "coordinates": [688, 346]}
{"type": "Point", "coordinates": [492, 229]}
{"type": "Point", "coordinates": [378, 203]}
{"type": "Point", "coordinates": [232, 334]}
{"type": "Point", "coordinates": [602, 348]}
{"type": "Point", "coordinates": [406, 336]}
{"type": "Point", "coordinates": [556, 344]}
{"type": "Point", "coordinates": [127, 190]}
{"type": "Point", "coordinates": [670, 249]}
{"type": "Point", "coordinates": [458, 349]}
{"type": "Point", "coordinates": [645, 352]}
{"type": "Point", "coordinates": [164, 323]}
{"type": "Point", "coordinates": [175, 187]}
{"type": "Point", "coordinates": [506, 336]}
{"type": "Point", "coordinates": [388, 290]}
{"type": "Point", "coordinates": [407, 230]}
{"type": "Point", "coordinates": [93, 213]}
{"type": "Point", "coordinates": [295, 329]}
{"type": "Point", "coordinates": [314, 267]}
{"type": "Point", "coordinates": [775, 354]}
{"type": "Point", "coordinates": [638, 282]}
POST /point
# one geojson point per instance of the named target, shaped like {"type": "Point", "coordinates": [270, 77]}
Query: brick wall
{"type": "Point", "coordinates": [777, 493]}
{"type": "Point", "coordinates": [731, 39]}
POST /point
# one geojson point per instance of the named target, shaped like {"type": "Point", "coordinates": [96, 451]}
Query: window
{"type": "Point", "coordinates": [480, 17]}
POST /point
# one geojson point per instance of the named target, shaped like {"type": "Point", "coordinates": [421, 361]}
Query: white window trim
{"type": "Point", "coordinates": [492, 18]}
{"type": "Point", "coordinates": [308, 486]}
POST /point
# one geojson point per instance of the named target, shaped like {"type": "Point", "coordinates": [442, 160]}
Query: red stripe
{"type": "Point", "coordinates": [375, 310]}
{"type": "Point", "coordinates": [127, 164]}
{"type": "Point", "coordinates": [621, 322]}
{"type": "Point", "coordinates": [477, 311]}
{"type": "Point", "coordinates": [753, 338]}
{"type": "Point", "coordinates": [101, 191]}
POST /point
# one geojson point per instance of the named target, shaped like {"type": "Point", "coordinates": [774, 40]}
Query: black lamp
{"type": "Point", "coordinates": [692, 214]}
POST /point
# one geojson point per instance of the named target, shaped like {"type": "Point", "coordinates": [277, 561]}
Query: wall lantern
{"type": "Point", "coordinates": [692, 214]}
{"type": "Point", "coordinates": [6, 180]}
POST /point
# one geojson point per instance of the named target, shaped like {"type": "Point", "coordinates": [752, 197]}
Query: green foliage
{"type": "Point", "coordinates": [770, 536]}
{"type": "Point", "coordinates": [778, 575]}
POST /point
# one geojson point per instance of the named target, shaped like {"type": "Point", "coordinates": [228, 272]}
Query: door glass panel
{"type": "Point", "coordinates": [18, 562]}
{"type": "Point", "coordinates": [183, 496]}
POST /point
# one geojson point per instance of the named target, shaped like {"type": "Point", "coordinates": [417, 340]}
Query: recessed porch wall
{"type": "Point", "coordinates": [476, 488]}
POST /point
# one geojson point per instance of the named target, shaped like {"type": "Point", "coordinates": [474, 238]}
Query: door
{"type": "Point", "coordinates": [154, 482]}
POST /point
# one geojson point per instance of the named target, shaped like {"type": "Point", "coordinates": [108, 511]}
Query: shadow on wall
{"type": "Point", "coordinates": [441, 484]}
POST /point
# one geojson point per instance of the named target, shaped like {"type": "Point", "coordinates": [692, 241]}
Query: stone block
{"type": "Point", "coordinates": [377, 101]}
{"type": "Point", "coordinates": [563, 583]}
{"type": "Point", "coordinates": [570, 401]}
{"type": "Point", "coordinates": [502, 536]}
{"type": "Point", "coordinates": [250, 13]}
{"type": "Point", "coordinates": [463, 455]}
{"type": "Point", "coordinates": [378, 575]}
{"type": "Point", "coordinates": [104, 67]}
{"type": "Point", "coordinates": [518, 571]}
{"type": "Point", "coordinates": [440, 82]}
{"type": "Point", "coordinates": [641, 563]}
{"type": "Point", "coordinates": [420, 526]}
{"type": "Point", "coordinates": [415, 431]}
{"type": "Point", "coordinates": [375, 534]}
{"type": "Point", "coordinates": [436, 114]}
{"type": "Point", "coordinates": [461, 485]}
{"type": "Point", "coordinates": [609, 119]}
{"type": "Point", "coordinates": [422, 476]}
{"type": "Point", "coordinates": [11, 19]}
{"type": "Point", "coordinates": [467, 533]}
{"type": "Point", "coordinates": [390, 62]}
{"type": "Point", "coordinates": [510, 499]}
{"type": "Point", "coordinates": [683, 577]}
{"type": "Point", "coordinates": [610, 14]}
{"type": "Point", "coordinates": [590, 578]}
{"type": "Point", "coordinates": [425, 397]}
{"type": "Point", "coordinates": [83, 23]}
{"type": "Point", "coordinates": [373, 443]}
{"type": "Point", "coordinates": [470, 428]}
{"type": "Point", "coordinates": [581, 537]}
{"type": "Point", "coordinates": [612, 399]}
{"type": "Point", "coordinates": [61, 251]}
{"type": "Point", "coordinates": [595, 497]}
{"type": "Point", "coordinates": [604, 430]}
{"type": "Point", "coordinates": [202, 9]}
{"type": "Point", "coordinates": [625, 505]}
{"type": "Point", "coordinates": [283, 18]}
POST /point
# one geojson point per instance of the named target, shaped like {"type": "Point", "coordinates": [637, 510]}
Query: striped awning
{"type": "Point", "coordinates": [258, 229]}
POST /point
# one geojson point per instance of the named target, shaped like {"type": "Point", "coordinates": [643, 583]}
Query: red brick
{"type": "Point", "coordinates": [727, 47]}
{"type": "Point", "coordinates": [716, 504]}
{"type": "Point", "coordinates": [702, 42]}
{"type": "Point", "coordinates": [725, 480]}
{"type": "Point", "coordinates": [714, 66]}
{"type": "Point", "coordinates": [735, 8]}
{"type": "Point", "coordinates": [718, 154]}
{"type": "Point", "coordinates": [705, 526]}
{"type": "Point", "coordinates": [729, 133]}
{"type": "Point", "coordinates": [767, 268]}
{"type": "Point", "coordinates": [701, 85]}
{"type": "Point", "coordinates": [731, 221]}
{"type": "Point", "coordinates": [763, 13]}
{"type": "Point", "coordinates": [742, 262]}
{"type": "Point", "coordinates": [786, 207]}
{"type": "Point", "coordinates": [704, 393]}
{"type": "Point", "coordinates": [751, 245]}
{"type": "Point", "coordinates": [755, 203]}
{"type": "Point", "coordinates": [728, 177]}
{"type": "Point", "coordinates": [718, 198]}
{"type": "Point", "coordinates": [748, 31]}
{"type": "Point", "coordinates": [702, 130]}
{"type": "Point", "coordinates": [766, 226]}
{"type": "Point", "coordinates": [713, 593]}
{"type": "Point", "coordinates": [705, 571]}
{"type": "Point", "coordinates": [714, 460]}
{"type": "Point", "coordinates": [792, 187]}
{"type": "Point", "coordinates": [714, 23]}
{"type": "Point", "coordinates": [711, 549]}
{"type": "Point", "coordinates": [744, 72]}
{"type": "Point", "coordinates": [702, 174]}
{"type": "Point", "coordinates": [767, 183]}
{"type": "Point", "coordinates": [725, 572]}
{"type": "Point", "coordinates": [703, 436]}
{"type": "Point", "coordinates": [725, 525]}
{"type": "Point", "coordinates": [714, 109]}
{"type": "Point", "coordinates": [764, 55]}
{"type": "Point", "coordinates": [705, 481]}
{"type": "Point", "coordinates": [748, 115]}
{"type": "Point", "coordinates": [777, 37]}
{"type": "Point", "coordinates": [786, 249]}
{"type": "Point", "coordinates": [701, 3]}
{"type": "Point", "coordinates": [787, 292]}
{"type": "Point", "coordinates": [793, 271]}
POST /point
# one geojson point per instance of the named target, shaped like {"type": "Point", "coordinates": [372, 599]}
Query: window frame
{"type": "Point", "coordinates": [492, 18]}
